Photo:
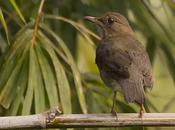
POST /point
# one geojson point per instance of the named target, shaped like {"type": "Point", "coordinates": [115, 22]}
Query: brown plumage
{"type": "Point", "coordinates": [123, 63]}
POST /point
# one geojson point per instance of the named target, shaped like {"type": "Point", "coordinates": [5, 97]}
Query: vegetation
{"type": "Point", "coordinates": [47, 57]}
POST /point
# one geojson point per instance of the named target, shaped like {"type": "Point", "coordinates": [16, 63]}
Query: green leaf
{"type": "Point", "coordinates": [62, 81]}
{"type": "Point", "coordinates": [27, 103]}
{"type": "Point", "coordinates": [15, 6]}
{"type": "Point", "coordinates": [64, 89]}
{"type": "Point", "coordinates": [9, 80]}
{"type": "Point", "coordinates": [10, 86]}
{"type": "Point", "coordinates": [48, 77]}
{"type": "Point", "coordinates": [26, 28]}
{"type": "Point", "coordinates": [170, 59]}
{"type": "Point", "coordinates": [11, 55]}
{"type": "Point", "coordinates": [149, 104]}
{"type": "Point", "coordinates": [76, 74]}
{"type": "Point", "coordinates": [39, 91]}
{"type": "Point", "coordinates": [100, 103]}
{"type": "Point", "coordinates": [19, 45]}
{"type": "Point", "coordinates": [82, 29]}
{"type": "Point", "coordinates": [78, 26]}
{"type": "Point", "coordinates": [152, 25]}
{"type": "Point", "coordinates": [151, 47]}
{"type": "Point", "coordinates": [21, 87]}
{"type": "Point", "coordinates": [5, 26]}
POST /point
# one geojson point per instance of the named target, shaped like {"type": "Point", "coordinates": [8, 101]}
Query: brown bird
{"type": "Point", "coordinates": [123, 63]}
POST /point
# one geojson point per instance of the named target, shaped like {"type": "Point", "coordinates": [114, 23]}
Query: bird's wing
{"type": "Point", "coordinates": [114, 60]}
{"type": "Point", "coordinates": [141, 60]}
{"type": "Point", "coordinates": [146, 70]}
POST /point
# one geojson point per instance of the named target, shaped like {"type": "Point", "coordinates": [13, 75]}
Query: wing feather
{"type": "Point", "coordinates": [113, 60]}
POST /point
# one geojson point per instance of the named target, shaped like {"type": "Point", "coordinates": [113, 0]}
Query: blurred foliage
{"type": "Point", "coordinates": [59, 67]}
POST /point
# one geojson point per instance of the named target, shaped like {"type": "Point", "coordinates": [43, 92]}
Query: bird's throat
{"type": "Point", "coordinates": [100, 31]}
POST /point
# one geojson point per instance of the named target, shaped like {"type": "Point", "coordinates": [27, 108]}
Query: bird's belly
{"type": "Point", "coordinates": [109, 81]}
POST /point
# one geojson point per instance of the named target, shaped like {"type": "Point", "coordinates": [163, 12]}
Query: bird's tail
{"type": "Point", "coordinates": [133, 92]}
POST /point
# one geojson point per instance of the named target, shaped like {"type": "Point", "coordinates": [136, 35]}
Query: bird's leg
{"type": "Point", "coordinates": [142, 110]}
{"type": "Point", "coordinates": [113, 111]}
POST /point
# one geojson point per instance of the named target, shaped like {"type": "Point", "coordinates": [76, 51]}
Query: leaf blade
{"type": "Point", "coordinates": [4, 26]}
{"type": "Point", "coordinates": [21, 86]}
{"type": "Point", "coordinates": [39, 92]}
{"type": "Point", "coordinates": [27, 103]}
{"type": "Point", "coordinates": [76, 74]}
{"type": "Point", "coordinates": [15, 6]}
{"type": "Point", "coordinates": [49, 79]}
{"type": "Point", "coordinates": [62, 81]}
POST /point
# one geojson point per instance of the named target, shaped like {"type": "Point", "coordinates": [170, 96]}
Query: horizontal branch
{"type": "Point", "coordinates": [108, 120]}
{"type": "Point", "coordinates": [53, 119]}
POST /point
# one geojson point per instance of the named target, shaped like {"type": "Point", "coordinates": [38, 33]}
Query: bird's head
{"type": "Point", "coordinates": [111, 24]}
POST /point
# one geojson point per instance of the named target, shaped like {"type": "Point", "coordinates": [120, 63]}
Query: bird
{"type": "Point", "coordinates": [123, 62]}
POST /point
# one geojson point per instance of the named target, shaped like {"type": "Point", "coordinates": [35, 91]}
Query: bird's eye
{"type": "Point", "coordinates": [110, 20]}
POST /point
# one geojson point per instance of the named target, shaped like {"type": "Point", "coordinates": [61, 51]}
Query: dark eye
{"type": "Point", "coordinates": [110, 20]}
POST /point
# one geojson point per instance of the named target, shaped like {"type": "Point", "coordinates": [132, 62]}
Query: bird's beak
{"type": "Point", "coordinates": [97, 22]}
{"type": "Point", "coordinates": [91, 19]}
{"type": "Point", "coordinates": [94, 20]}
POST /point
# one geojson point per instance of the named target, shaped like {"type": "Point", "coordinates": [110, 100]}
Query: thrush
{"type": "Point", "coordinates": [122, 61]}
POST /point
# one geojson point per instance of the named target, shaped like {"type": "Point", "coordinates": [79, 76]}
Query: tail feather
{"type": "Point", "coordinates": [133, 91]}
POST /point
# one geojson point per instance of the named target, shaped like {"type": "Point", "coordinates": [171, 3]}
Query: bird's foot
{"type": "Point", "coordinates": [114, 113]}
{"type": "Point", "coordinates": [141, 114]}
{"type": "Point", "coordinates": [142, 110]}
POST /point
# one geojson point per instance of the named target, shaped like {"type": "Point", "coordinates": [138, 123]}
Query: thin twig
{"type": "Point", "coordinates": [38, 19]}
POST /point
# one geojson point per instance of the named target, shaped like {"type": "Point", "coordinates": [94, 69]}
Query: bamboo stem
{"type": "Point", "coordinates": [108, 120]}
{"type": "Point", "coordinates": [53, 119]}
